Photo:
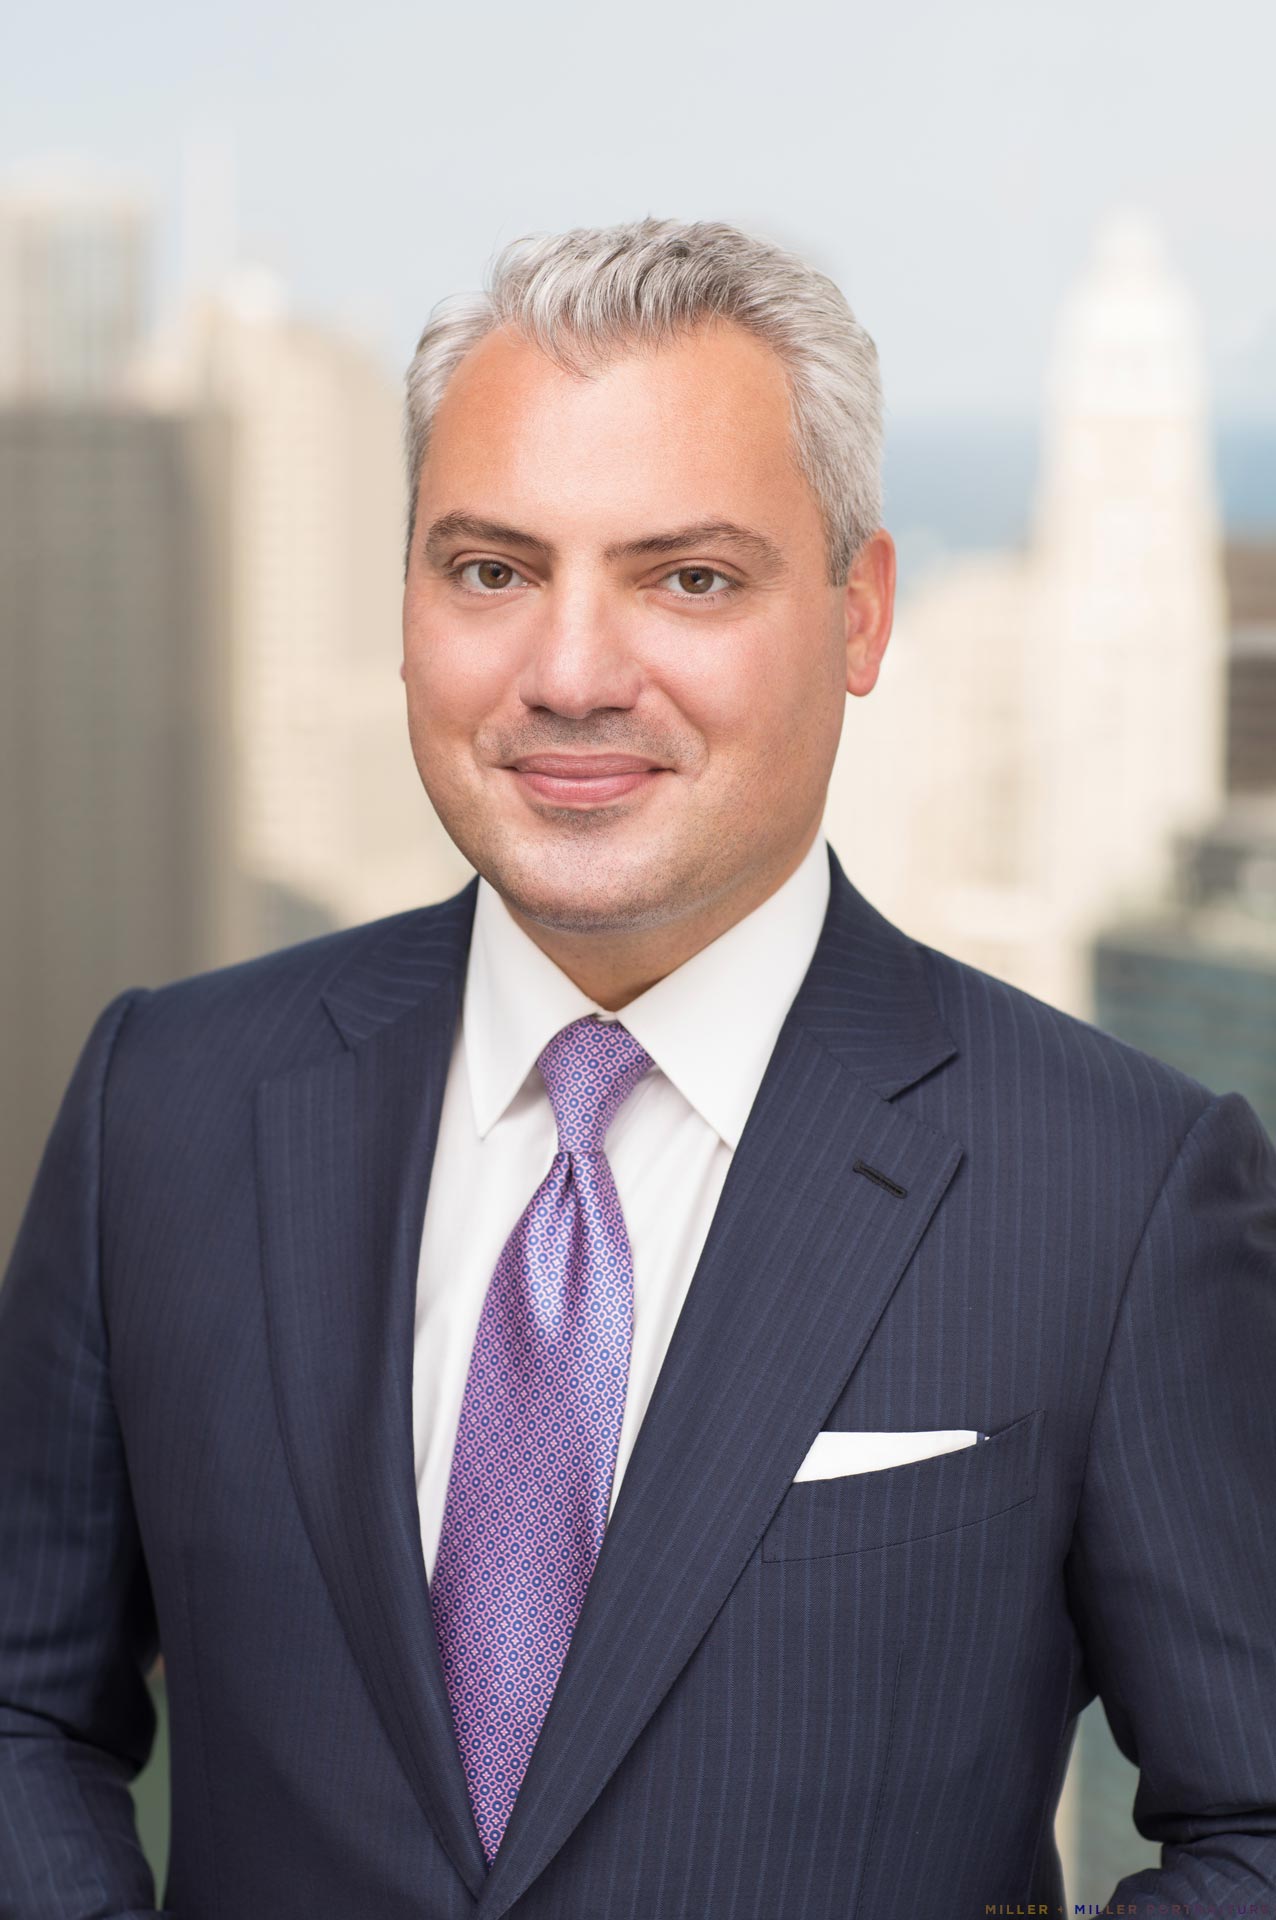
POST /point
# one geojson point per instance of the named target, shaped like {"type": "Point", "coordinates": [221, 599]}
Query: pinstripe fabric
{"type": "Point", "coordinates": [844, 1697]}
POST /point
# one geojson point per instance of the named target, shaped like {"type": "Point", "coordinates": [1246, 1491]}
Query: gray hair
{"type": "Point", "coordinates": [586, 295]}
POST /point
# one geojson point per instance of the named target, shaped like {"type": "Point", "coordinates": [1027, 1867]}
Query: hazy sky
{"type": "Point", "coordinates": [946, 162]}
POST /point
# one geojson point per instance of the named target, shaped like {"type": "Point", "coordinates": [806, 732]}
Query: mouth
{"type": "Point", "coordinates": [584, 779]}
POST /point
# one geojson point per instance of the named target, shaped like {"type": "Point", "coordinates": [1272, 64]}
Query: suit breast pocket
{"type": "Point", "coordinates": [856, 1512]}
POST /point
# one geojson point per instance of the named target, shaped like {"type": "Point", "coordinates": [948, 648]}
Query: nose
{"type": "Point", "coordinates": [579, 655]}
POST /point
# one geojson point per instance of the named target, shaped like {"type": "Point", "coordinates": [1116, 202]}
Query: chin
{"type": "Point", "coordinates": [587, 889]}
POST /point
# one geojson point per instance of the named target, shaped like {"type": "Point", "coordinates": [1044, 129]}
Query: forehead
{"type": "Point", "coordinates": [696, 428]}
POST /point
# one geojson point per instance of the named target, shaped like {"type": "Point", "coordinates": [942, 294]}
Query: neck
{"type": "Point", "coordinates": [613, 967]}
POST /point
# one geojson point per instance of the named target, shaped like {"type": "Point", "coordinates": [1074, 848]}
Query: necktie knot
{"type": "Point", "coordinates": [589, 1069]}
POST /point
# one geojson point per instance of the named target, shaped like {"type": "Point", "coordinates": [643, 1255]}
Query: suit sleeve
{"type": "Point", "coordinates": [77, 1627]}
{"type": "Point", "coordinates": [1172, 1570]}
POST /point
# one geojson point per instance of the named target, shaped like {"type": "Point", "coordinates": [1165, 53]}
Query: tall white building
{"type": "Point", "coordinates": [1046, 721]}
{"type": "Point", "coordinates": [1131, 608]}
{"type": "Point", "coordinates": [331, 821]}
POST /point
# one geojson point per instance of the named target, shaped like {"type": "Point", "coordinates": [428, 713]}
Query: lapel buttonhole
{"type": "Point", "coordinates": [882, 1179]}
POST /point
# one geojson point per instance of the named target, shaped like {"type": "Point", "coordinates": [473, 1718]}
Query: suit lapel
{"type": "Point", "coordinates": [344, 1151]}
{"type": "Point", "coordinates": [799, 1264]}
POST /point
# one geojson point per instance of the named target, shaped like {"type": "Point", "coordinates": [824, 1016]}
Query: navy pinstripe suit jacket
{"type": "Point", "coordinates": [847, 1697]}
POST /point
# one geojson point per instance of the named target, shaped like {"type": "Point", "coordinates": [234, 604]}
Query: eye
{"type": "Point", "coordinates": [696, 583]}
{"type": "Point", "coordinates": [489, 576]}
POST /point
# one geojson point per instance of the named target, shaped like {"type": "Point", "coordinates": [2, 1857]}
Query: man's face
{"type": "Point", "coordinates": [625, 667]}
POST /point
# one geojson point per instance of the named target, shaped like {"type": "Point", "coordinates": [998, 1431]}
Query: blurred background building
{"type": "Point", "coordinates": [115, 857]}
{"type": "Point", "coordinates": [74, 283]}
{"type": "Point", "coordinates": [331, 825]}
{"type": "Point", "coordinates": [1036, 688]}
{"type": "Point", "coordinates": [202, 727]}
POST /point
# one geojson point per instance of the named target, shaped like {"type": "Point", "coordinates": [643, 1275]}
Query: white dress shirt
{"type": "Point", "coordinates": [709, 1027]}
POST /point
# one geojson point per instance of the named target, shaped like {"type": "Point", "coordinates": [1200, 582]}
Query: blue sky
{"type": "Point", "coordinates": [947, 163]}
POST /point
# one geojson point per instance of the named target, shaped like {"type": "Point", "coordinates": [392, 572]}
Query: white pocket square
{"type": "Point", "coordinates": [835, 1454]}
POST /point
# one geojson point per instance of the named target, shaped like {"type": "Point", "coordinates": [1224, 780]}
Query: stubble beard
{"type": "Point", "coordinates": [575, 881]}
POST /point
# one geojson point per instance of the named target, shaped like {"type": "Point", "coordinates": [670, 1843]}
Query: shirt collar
{"type": "Point", "coordinates": [710, 1025]}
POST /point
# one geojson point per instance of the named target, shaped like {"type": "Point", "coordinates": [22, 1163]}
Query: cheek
{"type": "Point", "coordinates": [713, 671]}
{"type": "Point", "coordinates": [745, 689]}
{"type": "Point", "coordinates": [453, 681]}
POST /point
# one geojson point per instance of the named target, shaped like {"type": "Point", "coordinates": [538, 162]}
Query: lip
{"type": "Point", "coordinates": [584, 779]}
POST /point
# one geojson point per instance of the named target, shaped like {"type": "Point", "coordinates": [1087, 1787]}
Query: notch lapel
{"type": "Point", "coordinates": [801, 1259]}
{"type": "Point", "coordinates": [344, 1150]}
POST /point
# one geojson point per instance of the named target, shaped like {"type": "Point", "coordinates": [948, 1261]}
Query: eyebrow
{"type": "Point", "coordinates": [467, 526]}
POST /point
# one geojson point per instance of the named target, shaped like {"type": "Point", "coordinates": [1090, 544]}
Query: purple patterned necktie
{"type": "Point", "coordinates": [536, 1443]}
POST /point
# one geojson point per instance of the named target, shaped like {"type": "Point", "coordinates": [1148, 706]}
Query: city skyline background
{"type": "Point", "coordinates": [947, 166]}
{"type": "Point", "coordinates": [218, 242]}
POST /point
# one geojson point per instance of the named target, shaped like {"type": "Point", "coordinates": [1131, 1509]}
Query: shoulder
{"type": "Point", "coordinates": [265, 1014]}
{"type": "Point", "coordinates": [1055, 1076]}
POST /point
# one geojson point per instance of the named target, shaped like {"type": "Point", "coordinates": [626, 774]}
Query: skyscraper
{"type": "Point", "coordinates": [1195, 981]}
{"type": "Point", "coordinates": [331, 823]}
{"type": "Point", "coordinates": [1130, 620]}
{"type": "Point", "coordinates": [1251, 680]}
{"type": "Point", "coordinates": [1031, 694]}
{"type": "Point", "coordinates": [114, 862]}
{"type": "Point", "coordinates": [73, 283]}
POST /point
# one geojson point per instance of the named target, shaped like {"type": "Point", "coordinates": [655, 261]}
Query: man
{"type": "Point", "coordinates": [640, 1390]}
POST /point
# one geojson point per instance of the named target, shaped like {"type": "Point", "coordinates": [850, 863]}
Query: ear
{"type": "Point", "coordinates": [869, 610]}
